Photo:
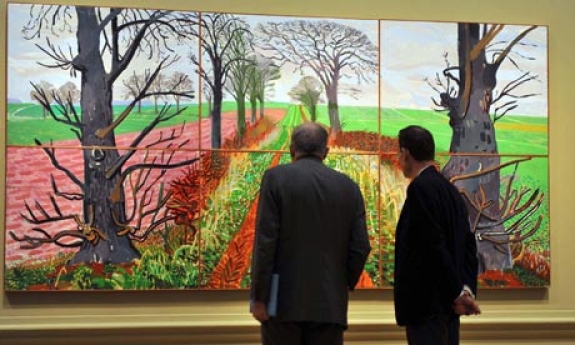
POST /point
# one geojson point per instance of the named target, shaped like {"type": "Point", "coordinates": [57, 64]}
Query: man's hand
{"type": "Point", "coordinates": [259, 311]}
{"type": "Point", "coordinates": [466, 305]}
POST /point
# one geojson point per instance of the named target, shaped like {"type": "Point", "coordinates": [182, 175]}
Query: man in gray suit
{"type": "Point", "coordinates": [311, 233]}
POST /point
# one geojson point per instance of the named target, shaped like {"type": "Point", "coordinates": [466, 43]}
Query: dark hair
{"type": "Point", "coordinates": [309, 138]}
{"type": "Point", "coordinates": [418, 141]}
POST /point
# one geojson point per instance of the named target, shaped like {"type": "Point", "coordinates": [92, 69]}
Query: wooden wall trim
{"type": "Point", "coordinates": [527, 327]}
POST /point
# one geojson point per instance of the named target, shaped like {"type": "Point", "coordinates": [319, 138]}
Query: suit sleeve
{"type": "Point", "coordinates": [427, 228]}
{"type": "Point", "coordinates": [359, 246]}
{"type": "Point", "coordinates": [470, 264]}
{"type": "Point", "coordinates": [265, 241]}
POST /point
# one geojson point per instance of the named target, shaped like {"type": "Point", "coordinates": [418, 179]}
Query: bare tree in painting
{"type": "Point", "coordinates": [216, 34]}
{"type": "Point", "coordinates": [208, 94]}
{"type": "Point", "coordinates": [157, 88]}
{"type": "Point", "coordinates": [330, 50]}
{"type": "Point", "coordinates": [107, 42]}
{"type": "Point", "coordinates": [468, 93]}
{"type": "Point", "coordinates": [263, 75]}
{"type": "Point", "coordinates": [46, 88]}
{"type": "Point", "coordinates": [70, 93]}
{"type": "Point", "coordinates": [308, 92]}
{"type": "Point", "coordinates": [182, 85]}
{"type": "Point", "coordinates": [241, 65]}
{"type": "Point", "coordinates": [134, 86]}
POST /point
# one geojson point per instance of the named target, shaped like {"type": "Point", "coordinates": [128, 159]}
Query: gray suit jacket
{"type": "Point", "coordinates": [310, 229]}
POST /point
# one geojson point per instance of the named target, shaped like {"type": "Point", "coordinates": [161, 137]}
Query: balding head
{"type": "Point", "coordinates": [309, 139]}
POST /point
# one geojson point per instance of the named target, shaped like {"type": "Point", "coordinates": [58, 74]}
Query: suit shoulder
{"type": "Point", "coordinates": [429, 182]}
{"type": "Point", "coordinates": [278, 169]}
{"type": "Point", "coordinates": [344, 177]}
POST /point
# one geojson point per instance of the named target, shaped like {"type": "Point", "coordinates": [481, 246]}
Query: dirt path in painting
{"type": "Point", "coordinates": [28, 178]}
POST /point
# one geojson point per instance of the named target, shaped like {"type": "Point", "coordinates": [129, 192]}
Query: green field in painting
{"type": "Point", "coordinates": [515, 134]}
{"type": "Point", "coordinates": [25, 121]}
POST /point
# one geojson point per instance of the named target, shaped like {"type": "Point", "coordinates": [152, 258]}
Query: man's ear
{"type": "Point", "coordinates": [406, 153]}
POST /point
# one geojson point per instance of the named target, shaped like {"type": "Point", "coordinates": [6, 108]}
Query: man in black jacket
{"type": "Point", "coordinates": [311, 232]}
{"type": "Point", "coordinates": [435, 251]}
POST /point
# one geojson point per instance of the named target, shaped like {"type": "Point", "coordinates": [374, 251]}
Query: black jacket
{"type": "Point", "coordinates": [435, 251]}
{"type": "Point", "coordinates": [310, 229]}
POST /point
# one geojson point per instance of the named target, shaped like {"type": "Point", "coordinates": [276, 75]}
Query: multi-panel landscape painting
{"type": "Point", "coordinates": [137, 138]}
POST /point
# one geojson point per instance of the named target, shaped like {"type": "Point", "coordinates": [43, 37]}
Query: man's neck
{"type": "Point", "coordinates": [420, 166]}
{"type": "Point", "coordinates": [307, 155]}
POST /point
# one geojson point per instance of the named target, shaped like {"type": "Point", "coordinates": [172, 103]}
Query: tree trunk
{"type": "Point", "coordinates": [209, 106]}
{"type": "Point", "coordinates": [96, 102]}
{"type": "Point", "coordinates": [333, 108]}
{"type": "Point", "coordinates": [474, 132]}
{"type": "Point", "coordinates": [216, 118]}
{"type": "Point", "coordinates": [313, 112]}
{"type": "Point", "coordinates": [241, 120]}
{"type": "Point", "coordinates": [262, 102]}
{"type": "Point", "coordinates": [253, 107]}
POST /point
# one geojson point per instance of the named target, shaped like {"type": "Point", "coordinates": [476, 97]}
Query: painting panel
{"type": "Point", "coordinates": [52, 224]}
{"type": "Point", "coordinates": [139, 84]}
{"type": "Point", "coordinates": [229, 214]}
{"type": "Point", "coordinates": [304, 65]}
{"type": "Point", "coordinates": [495, 96]}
